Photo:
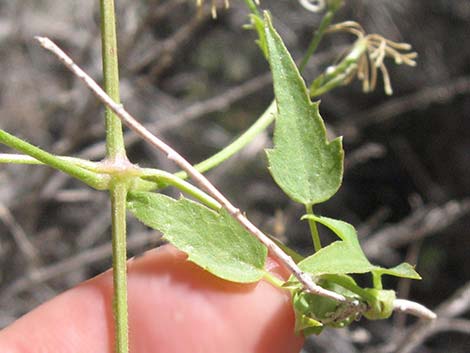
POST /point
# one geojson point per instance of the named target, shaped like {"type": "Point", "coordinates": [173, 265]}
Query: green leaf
{"type": "Point", "coordinates": [212, 240]}
{"type": "Point", "coordinates": [303, 163]}
{"type": "Point", "coordinates": [404, 270]}
{"type": "Point", "coordinates": [346, 256]}
{"type": "Point", "coordinates": [337, 258]}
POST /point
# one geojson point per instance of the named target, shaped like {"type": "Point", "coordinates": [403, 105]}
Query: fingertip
{"type": "Point", "coordinates": [174, 306]}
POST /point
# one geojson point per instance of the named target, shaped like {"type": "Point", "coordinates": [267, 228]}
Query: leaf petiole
{"type": "Point", "coordinates": [160, 176]}
{"type": "Point", "coordinates": [68, 166]}
{"type": "Point", "coordinates": [260, 125]}
{"type": "Point", "coordinates": [349, 284]}
{"type": "Point", "coordinates": [14, 158]}
{"type": "Point", "coordinates": [272, 279]}
{"type": "Point", "coordinates": [313, 228]}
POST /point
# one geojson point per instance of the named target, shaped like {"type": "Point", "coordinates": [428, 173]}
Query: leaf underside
{"type": "Point", "coordinates": [212, 240]}
{"type": "Point", "coordinates": [303, 163]}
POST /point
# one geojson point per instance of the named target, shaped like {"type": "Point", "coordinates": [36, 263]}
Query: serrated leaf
{"type": "Point", "coordinates": [346, 256]}
{"type": "Point", "coordinates": [303, 163]}
{"type": "Point", "coordinates": [212, 240]}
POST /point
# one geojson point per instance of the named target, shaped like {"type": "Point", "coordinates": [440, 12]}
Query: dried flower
{"type": "Point", "coordinates": [199, 3]}
{"type": "Point", "coordinates": [368, 54]}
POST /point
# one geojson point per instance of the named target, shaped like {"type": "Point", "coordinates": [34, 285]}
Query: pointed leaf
{"type": "Point", "coordinates": [404, 270]}
{"type": "Point", "coordinates": [214, 241]}
{"type": "Point", "coordinates": [303, 163]}
{"type": "Point", "coordinates": [343, 230]}
{"type": "Point", "coordinates": [339, 257]}
{"type": "Point", "coordinates": [346, 256]}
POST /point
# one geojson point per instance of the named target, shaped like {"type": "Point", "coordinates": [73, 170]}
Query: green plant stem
{"type": "Point", "coordinates": [260, 125]}
{"type": "Point", "coordinates": [269, 115]}
{"type": "Point", "coordinates": [377, 280]}
{"type": "Point", "coordinates": [253, 8]}
{"type": "Point", "coordinates": [347, 284]}
{"type": "Point", "coordinates": [160, 176]}
{"type": "Point", "coordinates": [313, 229]}
{"type": "Point", "coordinates": [115, 148]}
{"type": "Point", "coordinates": [118, 205]}
{"type": "Point", "coordinates": [319, 33]}
{"type": "Point", "coordinates": [13, 158]}
{"type": "Point", "coordinates": [115, 152]}
{"type": "Point", "coordinates": [275, 281]}
{"type": "Point", "coordinates": [95, 180]}
{"type": "Point", "coordinates": [337, 74]}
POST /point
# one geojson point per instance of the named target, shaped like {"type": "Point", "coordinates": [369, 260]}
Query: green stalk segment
{"type": "Point", "coordinates": [114, 139]}
{"type": "Point", "coordinates": [319, 33]}
{"type": "Point", "coordinates": [260, 125]}
{"type": "Point", "coordinates": [115, 153]}
{"type": "Point", "coordinates": [118, 205]}
{"type": "Point", "coordinates": [95, 180]}
{"type": "Point", "coordinates": [313, 229]}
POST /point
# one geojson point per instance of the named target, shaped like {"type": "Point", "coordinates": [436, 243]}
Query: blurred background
{"type": "Point", "coordinates": [199, 83]}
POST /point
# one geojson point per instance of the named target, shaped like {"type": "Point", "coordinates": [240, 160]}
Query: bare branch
{"type": "Point", "coordinates": [423, 222]}
{"type": "Point", "coordinates": [413, 308]}
{"type": "Point", "coordinates": [19, 235]}
{"type": "Point", "coordinates": [397, 106]}
{"type": "Point", "coordinates": [456, 305]}
{"type": "Point", "coordinates": [90, 256]}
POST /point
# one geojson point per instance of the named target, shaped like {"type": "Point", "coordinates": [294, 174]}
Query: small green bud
{"type": "Point", "coordinates": [382, 305]}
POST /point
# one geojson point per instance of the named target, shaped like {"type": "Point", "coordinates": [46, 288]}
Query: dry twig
{"type": "Point", "coordinates": [425, 221]}
{"type": "Point", "coordinates": [395, 107]}
{"type": "Point", "coordinates": [447, 312]}
{"type": "Point", "coordinates": [55, 270]}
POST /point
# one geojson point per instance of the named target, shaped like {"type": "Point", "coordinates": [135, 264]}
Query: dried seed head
{"type": "Point", "coordinates": [214, 4]}
{"type": "Point", "coordinates": [373, 54]}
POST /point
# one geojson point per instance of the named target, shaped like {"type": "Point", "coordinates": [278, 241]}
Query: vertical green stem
{"type": "Point", "coordinates": [115, 152]}
{"type": "Point", "coordinates": [313, 229]}
{"type": "Point", "coordinates": [118, 205]}
{"type": "Point", "coordinates": [377, 280]}
{"type": "Point", "coordinates": [252, 6]}
{"type": "Point", "coordinates": [317, 38]}
{"type": "Point", "coordinates": [114, 139]}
